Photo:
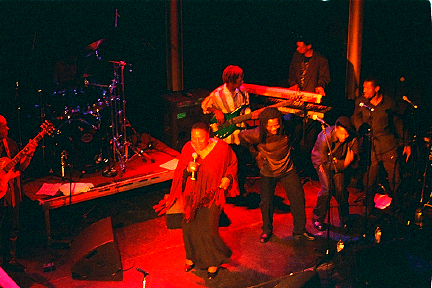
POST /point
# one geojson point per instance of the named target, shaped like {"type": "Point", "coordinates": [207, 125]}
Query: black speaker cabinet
{"type": "Point", "coordinates": [95, 255]}
{"type": "Point", "coordinates": [181, 111]}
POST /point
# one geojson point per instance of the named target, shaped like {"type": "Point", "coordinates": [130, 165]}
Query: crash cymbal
{"type": "Point", "coordinates": [95, 45]}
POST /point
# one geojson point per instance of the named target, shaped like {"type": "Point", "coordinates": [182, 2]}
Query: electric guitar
{"type": "Point", "coordinates": [6, 165]}
{"type": "Point", "coordinates": [226, 128]}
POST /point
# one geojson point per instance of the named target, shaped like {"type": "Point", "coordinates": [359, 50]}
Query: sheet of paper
{"type": "Point", "coordinates": [49, 189]}
{"type": "Point", "coordinates": [75, 187]}
{"type": "Point", "coordinates": [170, 165]}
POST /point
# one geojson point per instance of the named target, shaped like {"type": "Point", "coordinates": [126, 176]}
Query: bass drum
{"type": "Point", "coordinates": [81, 141]}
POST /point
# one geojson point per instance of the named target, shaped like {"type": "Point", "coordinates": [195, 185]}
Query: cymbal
{"type": "Point", "coordinates": [95, 45]}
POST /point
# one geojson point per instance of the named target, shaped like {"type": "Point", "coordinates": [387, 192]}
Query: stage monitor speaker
{"type": "Point", "coordinates": [182, 110]}
{"type": "Point", "coordinates": [304, 279]}
{"type": "Point", "coordinates": [95, 255]}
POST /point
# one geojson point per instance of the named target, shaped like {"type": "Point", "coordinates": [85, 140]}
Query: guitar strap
{"type": "Point", "coordinates": [6, 147]}
{"type": "Point", "coordinates": [224, 101]}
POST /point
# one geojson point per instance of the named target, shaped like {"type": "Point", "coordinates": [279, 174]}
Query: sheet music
{"type": "Point", "coordinates": [170, 165]}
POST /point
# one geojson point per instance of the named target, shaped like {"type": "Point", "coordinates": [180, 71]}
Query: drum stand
{"type": "Point", "coordinates": [119, 123]}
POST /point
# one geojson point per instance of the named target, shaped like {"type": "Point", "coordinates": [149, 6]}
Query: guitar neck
{"type": "Point", "coordinates": [239, 119]}
{"type": "Point", "coordinates": [22, 153]}
{"type": "Point", "coordinates": [245, 117]}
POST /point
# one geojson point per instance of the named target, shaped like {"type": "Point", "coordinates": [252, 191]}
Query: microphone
{"type": "Point", "coordinates": [194, 156]}
{"type": "Point", "coordinates": [405, 98]}
{"type": "Point", "coordinates": [142, 271]}
{"type": "Point", "coordinates": [315, 117]}
{"type": "Point", "coordinates": [366, 106]}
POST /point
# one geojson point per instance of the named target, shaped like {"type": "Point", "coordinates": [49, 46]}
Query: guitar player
{"type": "Point", "coordinates": [231, 97]}
{"type": "Point", "coordinates": [10, 202]}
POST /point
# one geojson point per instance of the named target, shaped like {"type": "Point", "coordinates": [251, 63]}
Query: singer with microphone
{"type": "Point", "coordinates": [205, 175]}
{"type": "Point", "coordinates": [334, 156]}
{"type": "Point", "coordinates": [386, 134]}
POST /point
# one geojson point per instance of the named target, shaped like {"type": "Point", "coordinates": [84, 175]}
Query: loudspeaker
{"type": "Point", "coordinates": [181, 111]}
{"type": "Point", "coordinates": [95, 255]}
{"type": "Point", "coordinates": [303, 279]}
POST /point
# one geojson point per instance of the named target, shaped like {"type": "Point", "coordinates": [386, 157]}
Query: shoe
{"type": "Point", "coordinates": [265, 237]}
{"type": "Point", "coordinates": [212, 275]}
{"type": "Point", "coordinates": [14, 266]}
{"type": "Point", "coordinates": [188, 267]}
{"type": "Point", "coordinates": [319, 225]}
{"type": "Point", "coordinates": [305, 235]}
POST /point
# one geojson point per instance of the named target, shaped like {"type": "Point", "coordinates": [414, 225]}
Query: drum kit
{"type": "Point", "coordinates": [90, 116]}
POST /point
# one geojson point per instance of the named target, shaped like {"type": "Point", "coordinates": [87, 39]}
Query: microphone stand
{"type": "Point", "coordinates": [369, 163]}
{"type": "Point", "coordinates": [329, 174]}
{"type": "Point", "coordinates": [415, 146]}
{"type": "Point", "coordinates": [145, 274]}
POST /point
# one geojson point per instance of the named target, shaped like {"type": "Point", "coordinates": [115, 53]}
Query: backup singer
{"type": "Point", "coordinates": [387, 133]}
{"type": "Point", "coordinates": [273, 153]}
{"type": "Point", "coordinates": [335, 152]}
{"type": "Point", "coordinates": [214, 166]}
{"type": "Point", "coordinates": [10, 203]}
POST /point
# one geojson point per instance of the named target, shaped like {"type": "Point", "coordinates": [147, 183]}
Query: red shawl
{"type": "Point", "coordinates": [204, 191]}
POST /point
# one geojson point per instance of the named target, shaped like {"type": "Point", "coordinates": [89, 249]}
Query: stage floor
{"type": "Point", "coordinates": [144, 242]}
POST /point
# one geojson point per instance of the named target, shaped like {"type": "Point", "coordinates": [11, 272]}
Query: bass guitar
{"type": "Point", "coordinates": [223, 130]}
{"type": "Point", "coordinates": [7, 171]}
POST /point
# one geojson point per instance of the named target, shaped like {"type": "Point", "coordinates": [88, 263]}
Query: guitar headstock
{"type": "Point", "coordinates": [47, 127]}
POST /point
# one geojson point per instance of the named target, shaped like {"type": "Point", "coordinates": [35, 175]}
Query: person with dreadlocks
{"type": "Point", "coordinates": [205, 175]}
{"type": "Point", "coordinates": [270, 145]}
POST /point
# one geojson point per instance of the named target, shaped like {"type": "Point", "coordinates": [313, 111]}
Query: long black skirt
{"type": "Point", "coordinates": [202, 241]}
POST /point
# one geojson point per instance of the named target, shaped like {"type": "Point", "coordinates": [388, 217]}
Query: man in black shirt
{"type": "Point", "coordinates": [377, 113]}
{"type": "Point", "coordinates": [272, 148]}
{"type": "Point", "coordinates": [309, 70]}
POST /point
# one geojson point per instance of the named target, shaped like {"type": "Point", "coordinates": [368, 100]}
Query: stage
{"type": "Point", "coordinates": [402, 259]}
{"type": "Point", "coordinates": [71, 187]}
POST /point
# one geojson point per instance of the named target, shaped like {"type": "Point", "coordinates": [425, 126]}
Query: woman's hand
{"type": "Point", "coordinates": [193, 166]}
{"type": "Point", "coordinates": [225, 182]}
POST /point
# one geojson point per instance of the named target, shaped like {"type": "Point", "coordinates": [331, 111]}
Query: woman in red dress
{"type": "Point", "coordinates": [205, 175]}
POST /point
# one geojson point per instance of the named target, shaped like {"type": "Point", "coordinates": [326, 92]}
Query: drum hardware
{"type": "Point", "coordinates": [79, 109]}
{"type": "Point", "coordinates": [117, 103]}
{"type": "Point", "coordinates": [119, 124]}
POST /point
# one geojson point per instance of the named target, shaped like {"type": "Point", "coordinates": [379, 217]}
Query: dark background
{"type": "Point", "coordinates": [259, 36]}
